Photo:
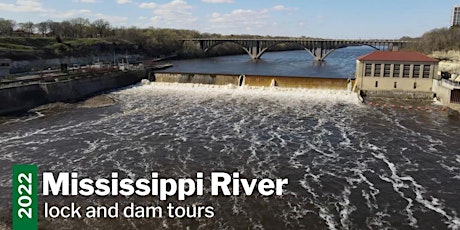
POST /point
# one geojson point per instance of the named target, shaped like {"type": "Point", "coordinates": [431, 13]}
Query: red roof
{"type": "Point", "coordinates": [397, 56]}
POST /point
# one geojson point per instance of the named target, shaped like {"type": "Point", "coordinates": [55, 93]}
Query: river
{"type": "Point", "coordinates": [349, 165]}
{"type": "Point", "coordinates": [339, 64]}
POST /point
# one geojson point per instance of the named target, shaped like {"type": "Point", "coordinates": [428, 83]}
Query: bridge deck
{"type": "Point", "coordinates": [319, 48]}
{"type": "Point", "coordinates": [296, 39]}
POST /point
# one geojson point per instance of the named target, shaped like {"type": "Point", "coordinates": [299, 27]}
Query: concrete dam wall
{"type": "Point", "coordinates": [252, 80]}
{"type": "Point", "coordinates": [17, 99]}
{"type": "Point", "coordinates": [25, 97]}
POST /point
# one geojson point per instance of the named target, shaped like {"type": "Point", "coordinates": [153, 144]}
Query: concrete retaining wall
{"type": "Point", "coordinates": [20, 99]}
{"type": "Point", "coordinates": [253, 80]}
{"type": "Point", "coordinates": [443, 94]}
{"type": "Point", "coordinates": [23, 98]}
{"type": "Point", "coordinates": [399, 94]}
{"type": "Point", "coordinates": [444, 91]}
{"type": "Point", "coordinates": [185, 78]}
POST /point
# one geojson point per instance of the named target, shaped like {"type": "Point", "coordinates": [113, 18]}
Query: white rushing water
{"type": "Point", "coordinates": [350, 166]}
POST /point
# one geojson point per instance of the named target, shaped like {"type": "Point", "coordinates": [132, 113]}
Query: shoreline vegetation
{"type": "Point", "coordinates": [442, 44]}
{"type": "Point", "coordinates": [79, 37]}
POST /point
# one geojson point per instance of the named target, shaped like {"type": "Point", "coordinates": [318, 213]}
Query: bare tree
{"type": "Point", "coordinates": [54, 27]}
{"type": "Point", "coordinates": [28, 27]}
{"type": "Point", "coordinates": [7, 27]}
{"type": "Point", "coordinates": [101, 26]}
{"type": "Point", "coordinates": [67, 29]}
{"type": "Point", "coordinates": [80, 26]}
{"type": "Point", "coordinates": [43, 28]}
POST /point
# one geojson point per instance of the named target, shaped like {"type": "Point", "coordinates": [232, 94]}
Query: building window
{"type": "Point", "coordinates": [376, 84]}
{"type": "Point", "coordinates": [426, 71]}
{"type": "Point", "coordinates": [416, 71]}
{"type": "Point", "coordinates": [368, 71]}
{"type": "Point", "coordinates": [396, 70]}
{"type": "Point", "coordinates": [406, 71]}
{"type": "Point", "coordinates": [377, 70]}
{"type": "Point", "coordinates": [386, 70]}
{"type": "Point", "coordinates": [396, 85]}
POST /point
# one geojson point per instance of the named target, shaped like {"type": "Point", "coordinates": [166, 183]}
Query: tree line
{"type": "Point", "coordinates": [72, 28]}
{"type": "Point", "coordinates": [149, 41]}
{"type": "Point", "coordinates": [164, 42]}
{"type": "Point", "coordinates": [441, 39]}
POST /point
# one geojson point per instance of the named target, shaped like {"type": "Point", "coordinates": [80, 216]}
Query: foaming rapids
{"type": "Point", "coordinates": [350, 166]}
{"type": "Point", "coordinates": [342, 96]}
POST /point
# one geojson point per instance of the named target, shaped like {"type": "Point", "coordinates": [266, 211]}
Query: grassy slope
{"type": "Point", "coordinates": [24, 43]}
{"type": "Point", "coordinates": [18, 48]}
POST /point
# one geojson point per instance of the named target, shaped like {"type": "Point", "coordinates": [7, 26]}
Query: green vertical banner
{"type": "Point", "coordinates": [25, 197]}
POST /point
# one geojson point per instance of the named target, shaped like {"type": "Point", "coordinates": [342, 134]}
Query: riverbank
{"type": "Point", "coordinates": [21, 98]}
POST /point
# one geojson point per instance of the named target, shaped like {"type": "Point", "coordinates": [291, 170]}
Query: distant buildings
{"type": "Point", "coordinates": [391, 71]}
{"type": "Point", "coordinates": [455, 16]}
{"type": "Point", "coordinates": [21, 33]}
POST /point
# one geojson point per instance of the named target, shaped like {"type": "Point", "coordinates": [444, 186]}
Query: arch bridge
{"type": "Point", "coordinates": [318, 48]}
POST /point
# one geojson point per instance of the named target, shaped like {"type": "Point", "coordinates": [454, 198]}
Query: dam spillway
{"type": "Point", "coordinates": [252, 80]}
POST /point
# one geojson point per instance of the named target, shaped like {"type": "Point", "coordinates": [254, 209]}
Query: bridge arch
{"type": "Point", "coordinates": [247, 48]}
{"type": "Point", "coordinates": [318, 48]}
{"type": "Point", "coordinates": [217, 44]}
{"type": "Point", "coordinates": [327, 52]}
{"type": "Point", "coordinates": [312, 51]}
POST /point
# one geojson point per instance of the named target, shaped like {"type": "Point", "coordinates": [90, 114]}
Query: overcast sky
{"type": "Point", "coordinates": [320, 18]}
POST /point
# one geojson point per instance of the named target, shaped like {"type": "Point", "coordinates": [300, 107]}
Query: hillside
{"type": "Point", "coordinates": [25, 48]}
{"type": "Point", "coordinates": [442, 39]}
{"type": "Point", "coordinates": [443, 44]}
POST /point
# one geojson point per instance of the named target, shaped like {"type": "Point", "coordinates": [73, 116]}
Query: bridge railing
{"type": "Point", "coordinates": [298, 39]}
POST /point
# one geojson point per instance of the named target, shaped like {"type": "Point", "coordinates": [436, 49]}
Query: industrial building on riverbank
{"type": "Point", "coordinates": [395, 73]}
{"type": "Point", "coordinates": [404, 75]}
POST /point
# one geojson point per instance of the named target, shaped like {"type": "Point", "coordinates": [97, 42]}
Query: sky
{"type": "Point", "coordinates": [345, 19]}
